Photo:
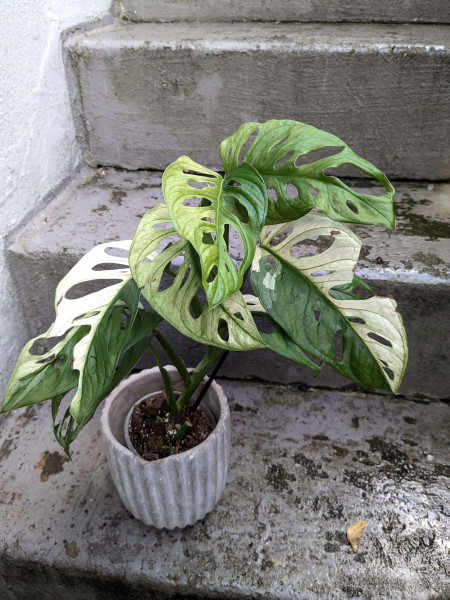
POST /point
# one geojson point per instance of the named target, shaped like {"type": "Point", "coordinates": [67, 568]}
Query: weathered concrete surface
{"type": "Point", "coordinates": [349, 11]}
{"type": "Point", "coordinates": [304, 466]}
{"type": "Point", "coordinates": [411, 264]}
{"type": "Point", "coordinates": [145, 93]}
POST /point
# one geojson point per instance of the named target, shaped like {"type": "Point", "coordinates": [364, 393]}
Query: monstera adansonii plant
{"type": "Point", "coordinates": [279, 201]}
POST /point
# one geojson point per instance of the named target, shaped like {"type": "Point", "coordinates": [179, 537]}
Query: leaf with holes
{"type": "Point", "coordinates": [278, 340]}
{"type": "Point", "coordinates": [95, 330]}
{"type": "Point", "coordinates": [155, 256]}
{"type": "Point", "coordinates": [239, 201]}
{"type": "Point", "coordinates": [363, 339]}
{"type": "Point", "coordinates": [293, 159]}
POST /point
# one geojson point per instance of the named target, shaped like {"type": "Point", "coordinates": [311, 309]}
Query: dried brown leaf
{"type": "Point", "coordinates": [354, 533]}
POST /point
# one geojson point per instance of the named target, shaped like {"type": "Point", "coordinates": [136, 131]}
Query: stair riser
{"type": "Point", "coordinates": [349, 11]}
{"type": "Point", "coordinates": [142, 100]}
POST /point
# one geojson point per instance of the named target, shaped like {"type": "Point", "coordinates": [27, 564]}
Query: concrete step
{"type": "Point", "coordinates": [411, 264]}
{"type": "Point", "coordinates": [304, 467]}
{"type": "Point", "coordinates": [145, 93]}
{"type": "Point", "coordinates": [347, 11]}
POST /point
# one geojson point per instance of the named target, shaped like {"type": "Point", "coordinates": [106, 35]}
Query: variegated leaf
{"type": "Point", "coordinates": [297, 291]}
{"type": "Point", "coordinates": [238, 201]}
{"type": "Point", "coordinates": [285, 154]}
{"type": "Point", "coordinates": [158, 253]}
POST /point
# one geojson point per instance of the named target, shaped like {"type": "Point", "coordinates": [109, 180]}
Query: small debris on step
{"type": "Point", "coordinates": [354, 533]}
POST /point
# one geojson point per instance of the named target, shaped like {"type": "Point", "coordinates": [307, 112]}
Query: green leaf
{"type": "Point", "coordinates": [300, 188]}
{"type": "Point", "coordinates": [238, 201]}
{"type": "Point", "coordinates": [346, 291]}
{"type": "Point", "coordinates": [96, 329]}
{"type": "Point", "coordinates": [298, 293]}
{"type": "Point", "coordinates": [155, 256]}
{"type": "Point", "coordinates": [278, 340]}
{"type": "Point", "coordinates": [40, 377]}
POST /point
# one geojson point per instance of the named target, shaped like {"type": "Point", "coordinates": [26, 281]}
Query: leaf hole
{"type": "Point", "coordinates": [233, 183]}
{"type": "Point", "coordinates": [197, 304]}
{"type": "Point", "coordinates": [199, 174]}
{"type": "Point", "coordinates": [58, 362]}
{"type": "Point", "coordinates": [338, 345]}
{"type": "Point", "coordinates": [371, 188]}
{"type": "Point", "coordinates": [44, 345]}
{"type": "Point", "coordinates": [389, 373]}
{"type": "Point", "coordinates": [280, 237]}
{"type": "Point", "coordinates": [384, 362]}
{"type": "Point", "coordinates": [192, 201]}
{"type": "Point", "coordinates": [352, 207]}
{"type": "Point", "coordinates": [162, 226]}
{"type": "Point", "coordinates": [317, 315]}
{"type": "Point", "coordinates": [185, 277]}
{"type": "Point", "coordinates": [284, 159]}
{"type": "Point", "coordinates": [209, 237]}
{"type": "Point", "coordinates": [236, 208]}
{"type": "Point", "coordinates": [246, 147]}
{"type": "Point", "coordinates": [345, 170]}
{"type": "Point", "coordinates": [291, 190]}
{"type": "Point", "coordinates": [312, 246]}
{"type": "Point", "coordinates": [166, 280]}
{"type": "Point", "coordinates": [270, 260]}
{"type": "Point", "coordinates": [313, 192]}
{"type": "Point", "coordinates": [362, 292]}
{"type": "Point", "coordinates": [357, 320]}
{"type": "Point", "coordinates": [198, 185]}
{"type": "Point", "coordinates": [118, 252]}
{"type": "Point", "coordinates": [212, 274]}
{"type": "Point", "coordinates": [272, 193]}
{"type": "Point", "coordinates": [321, 273]}
{"type": "Point", "coordinates": [285, 139]}
{"type": "Point", "coordinates": [222, 330]}
{"type": "Point", "coordinates": [239, 316]}
{"type": "Point", "coordinates": [107, 267]}
{"type": "Point", "coordinates": [46, 360]}
{"type": "Point", "coordinates": [87, 315]}
{"type": "Point", "coordinates": [315, 155]}
{"type": "Point", "coordinates": [230, 152]}
{"type": "Point", "coordinates": [85, 288]}
{"type": "Point", "coordinates": [380, 339]}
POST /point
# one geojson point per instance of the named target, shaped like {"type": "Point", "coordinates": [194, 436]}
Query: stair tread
{"type": "Point", "coordinates": [335, 37]}
{"type": "Point", "coordinates": [304, 466]}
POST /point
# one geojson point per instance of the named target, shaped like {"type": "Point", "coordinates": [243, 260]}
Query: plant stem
{"type": "Point", "coordinates": [211, 378]}
{"type": "Point", "coordinates": [211, 357]}
{"type": "Point", "coordinates": [173, 406]}
{"type": "Point", "coordinates": [176, 359]}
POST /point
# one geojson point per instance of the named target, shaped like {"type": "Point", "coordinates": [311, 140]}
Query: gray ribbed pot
{"type": "Point", "coordinates": [178, 490]}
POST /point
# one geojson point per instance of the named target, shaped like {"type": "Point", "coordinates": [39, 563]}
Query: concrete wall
{"type": "Point", "coordinates": [38, 150]}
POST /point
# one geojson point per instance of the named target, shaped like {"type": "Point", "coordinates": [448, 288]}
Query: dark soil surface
{"type": "Point", "coordinates": [152, 432]}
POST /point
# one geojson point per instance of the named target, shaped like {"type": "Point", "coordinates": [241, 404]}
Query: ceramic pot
{"type": "Point", "coordinates": [178, 490]}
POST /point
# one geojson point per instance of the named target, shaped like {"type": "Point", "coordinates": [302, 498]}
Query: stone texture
{"type": "Point", "coordinates": [145, 93]}
{"type": "Point", "coordinates": [412, 264]}
{"type": "Point", "coordinates": [304, 467]}
{"type": "Point", "coordinates": [349, 11]}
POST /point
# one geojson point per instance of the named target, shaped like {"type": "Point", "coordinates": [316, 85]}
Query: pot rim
{"type": "Point", "coordinates": [106, 430]}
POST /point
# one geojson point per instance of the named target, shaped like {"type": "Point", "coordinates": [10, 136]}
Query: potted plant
{"type": "Point", "coordinates": [282, 202]}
